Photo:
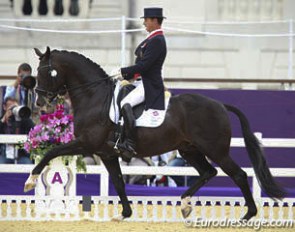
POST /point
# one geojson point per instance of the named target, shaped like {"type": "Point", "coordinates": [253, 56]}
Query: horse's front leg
{"type": "Point", "coordinates": [114, 169]}
{"type": "Point", "coordinates": [71, 148]}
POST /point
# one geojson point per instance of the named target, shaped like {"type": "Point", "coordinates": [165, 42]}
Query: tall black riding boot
{"type": "Point", "coordinates": [128, 145]}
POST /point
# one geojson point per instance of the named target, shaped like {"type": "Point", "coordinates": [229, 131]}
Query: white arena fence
{"type": "Point", "coordinates": [153, 209]}
{"type": "Point", "coordinates": [148, 208]}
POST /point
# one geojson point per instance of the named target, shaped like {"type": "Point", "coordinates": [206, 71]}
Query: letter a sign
{"type": "Point", "coordinates": [56, 178]}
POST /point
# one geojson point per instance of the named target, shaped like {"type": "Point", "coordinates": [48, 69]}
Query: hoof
{"type": "Point", "coordinates": [118, 218]}
{"type": "Point", "coordinates": [186, 211]}
{"type": "Point", "coordinates": [248, 216]}
{"type": "Point", "coordinates": [186, 208]}
{"type": "Point", "coordinates": [30, 183]}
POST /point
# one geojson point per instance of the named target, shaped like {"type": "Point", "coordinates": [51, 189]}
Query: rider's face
{"type": "Point", "coordinates": [150, 24]}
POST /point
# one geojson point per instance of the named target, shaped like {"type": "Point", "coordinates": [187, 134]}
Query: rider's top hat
{"type": "Point", "coordinates": [153, 12]}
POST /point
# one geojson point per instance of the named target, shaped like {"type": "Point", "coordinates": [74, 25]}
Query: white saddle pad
{"type": "Point", "coordinates": [149, 118]}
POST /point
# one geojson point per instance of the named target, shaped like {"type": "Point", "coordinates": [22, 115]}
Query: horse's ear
{"type": "Point", "coordinates": [38, 52]}
{"type": "Point", "coordinates": [47, 53]}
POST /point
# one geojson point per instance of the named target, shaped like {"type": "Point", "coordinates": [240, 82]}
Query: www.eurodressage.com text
{"type": "Point", "coordinates": [227, 223]}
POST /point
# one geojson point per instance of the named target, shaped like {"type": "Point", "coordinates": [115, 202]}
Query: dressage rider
{"type": "Point", "coordinates": [150, 56]}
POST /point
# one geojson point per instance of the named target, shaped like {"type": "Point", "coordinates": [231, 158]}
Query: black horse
{"type": "Point", "coordinates": [195, 125]}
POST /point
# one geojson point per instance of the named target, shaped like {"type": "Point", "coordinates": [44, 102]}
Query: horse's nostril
{"type": "Point", "coordinates": [40, 102]}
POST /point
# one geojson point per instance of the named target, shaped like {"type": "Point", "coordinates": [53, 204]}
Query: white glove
{"type": "Point", "coordinates": [116, 74]}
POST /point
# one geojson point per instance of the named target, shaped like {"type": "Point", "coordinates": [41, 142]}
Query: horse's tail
{"type": "Point", "coordinates": [265, 178]}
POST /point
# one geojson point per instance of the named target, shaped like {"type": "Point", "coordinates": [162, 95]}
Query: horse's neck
{"type": "Point", "coordinates": [86, 90]}
{"type": "Point", "coordinates": [98, 96]}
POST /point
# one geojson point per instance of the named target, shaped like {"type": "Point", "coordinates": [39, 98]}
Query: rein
{"type": "Point", "coordinates": [86, 85]}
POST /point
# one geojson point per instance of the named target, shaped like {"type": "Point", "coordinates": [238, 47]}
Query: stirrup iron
{"type": "Point", "coordinates": [116, 149]}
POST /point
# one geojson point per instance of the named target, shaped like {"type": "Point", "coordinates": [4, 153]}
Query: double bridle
{"type": "Point", "coordinates": [51, 95]}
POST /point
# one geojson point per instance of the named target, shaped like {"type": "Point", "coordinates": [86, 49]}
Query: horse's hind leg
{"type": "Point", "coordinates": [206, 171]}
{"type": "Point", "coordinates": [115, 172]}
{"type": "Point", "coordinates": [240, 178]}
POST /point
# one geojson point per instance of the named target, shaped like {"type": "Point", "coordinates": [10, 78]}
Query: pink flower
{"type": "Point", "coordinates": [27, 147]}
{"type": "Point", "coordinates": [38, 128]}
{"type": "Point", "coordinates": [60, 107]}
{"type": "Point", "coordinates": [53, 121]}
{"type": "Point", "coordinates": [34, 144]}
{"type": "Point", "coordinates": [45, 137]}
{"type": "Point", "coordinates": [58, 129]}
{"type": "Point", "coordinates": [64, 120]}
{"type": "Point", "coordinates": [59, 114]}
{"type": "Point", "coordinates": [44, 117]}
{"type": "Point", "coordinates": [66, 138]}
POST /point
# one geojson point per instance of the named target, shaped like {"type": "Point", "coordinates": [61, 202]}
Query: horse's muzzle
{"type": "Point", "coordinates": [40, 102]}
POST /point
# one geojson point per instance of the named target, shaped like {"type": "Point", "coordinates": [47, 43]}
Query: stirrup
{"type": "Point", "coordinates": [114, 145]}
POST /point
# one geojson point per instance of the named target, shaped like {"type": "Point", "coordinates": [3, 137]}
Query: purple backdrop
{"type": "Point", "coordinates": [269, 112]}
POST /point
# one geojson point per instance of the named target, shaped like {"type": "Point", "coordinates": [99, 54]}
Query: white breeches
{"type": "Point", "coordinates": [136, 96]}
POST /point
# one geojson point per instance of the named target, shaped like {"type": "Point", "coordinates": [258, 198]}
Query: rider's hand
{"type": "Point", "coordinates": [116, 74]}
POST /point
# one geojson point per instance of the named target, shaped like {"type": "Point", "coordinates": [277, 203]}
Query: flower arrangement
{"type": "Point", "coordinates": [54, 129]}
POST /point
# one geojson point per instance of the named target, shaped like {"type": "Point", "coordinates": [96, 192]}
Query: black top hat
{"type": "Point", "coordinates": [153, 12]}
